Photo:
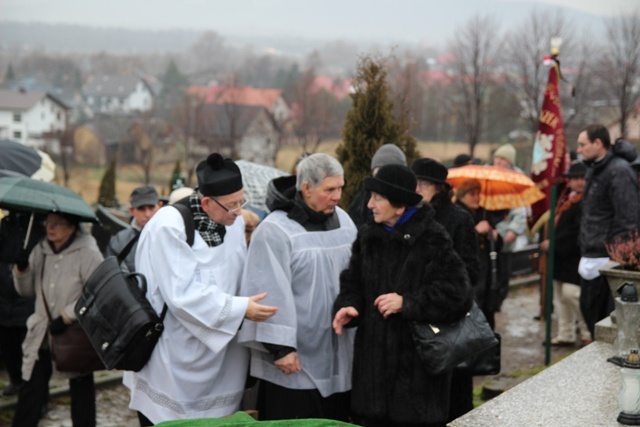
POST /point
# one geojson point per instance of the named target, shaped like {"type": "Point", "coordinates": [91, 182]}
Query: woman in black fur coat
{"type": "Point", "coordinates": [403, 268]}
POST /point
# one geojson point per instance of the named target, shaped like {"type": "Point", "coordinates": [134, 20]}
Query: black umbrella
{"type": "Point", "coordinates": [18, 158]}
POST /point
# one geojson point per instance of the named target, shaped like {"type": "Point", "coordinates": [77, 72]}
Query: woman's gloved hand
{"type": "Point", "coordinates": [57, 326]}
{"type": "Point", "coordinates": [22, 260]}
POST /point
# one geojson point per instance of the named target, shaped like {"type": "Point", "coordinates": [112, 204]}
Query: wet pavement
{"type": "Point", "coordinates": [522, 353]}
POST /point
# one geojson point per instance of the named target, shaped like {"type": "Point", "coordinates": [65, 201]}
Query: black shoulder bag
{"type": "Point", "coordinates": [115, 313]}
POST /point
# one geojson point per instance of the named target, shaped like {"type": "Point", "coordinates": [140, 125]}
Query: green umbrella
{"type": "Point", "coordinates": [30, 195]}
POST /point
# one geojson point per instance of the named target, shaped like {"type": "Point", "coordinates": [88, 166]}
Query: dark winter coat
{"type": "Point", "coordinates": [417, 261]}
{"type": "Point", "coordinates": [610, 205]}
{"type": "Point", "coordinates": [485, 290]}
{"type": "Point", "coordinates": [14, 309]}
{"type": "Point", "coordinates": [567, 250]}
{"type": "Point", "coordinates": [459, 224]}
{"type": "Point", "coordinates": [119, 241]}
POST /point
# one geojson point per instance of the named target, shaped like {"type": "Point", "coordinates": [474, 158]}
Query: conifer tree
{"type": "Point", "coordinates": [107, 196]}
{"type": "Point", "coordinates": [177, 181]}
{"type": "Point", "coordinates": [9, 75]}
{"type": "Point", "coordinates": [369, 124]}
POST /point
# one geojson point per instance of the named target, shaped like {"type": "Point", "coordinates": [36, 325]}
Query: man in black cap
{"type": "Point", "coordinates": [462, 160]}
{"type": "Point", "coordinates": [144, 203]}
{"type": "Point", "coordinates": [197, 369]}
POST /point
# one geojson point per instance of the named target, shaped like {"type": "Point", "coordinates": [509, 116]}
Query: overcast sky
{"type": "Point", "coordinates": [400, 20]}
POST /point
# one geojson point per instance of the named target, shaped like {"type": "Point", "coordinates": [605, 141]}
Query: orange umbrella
{"type": "Point", "coordinates": [501, 188]}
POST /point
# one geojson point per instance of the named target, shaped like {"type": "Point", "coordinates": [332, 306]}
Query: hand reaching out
{"type": "Point", "coordinates": [259, 312]}
{"type": "Point", "coordinates": [343, 317]}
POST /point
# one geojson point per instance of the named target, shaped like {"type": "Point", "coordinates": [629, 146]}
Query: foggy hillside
{"type": "Point", "coordinates": [295, 32]}
{"type": "Point", "coordinates": [65, 38]}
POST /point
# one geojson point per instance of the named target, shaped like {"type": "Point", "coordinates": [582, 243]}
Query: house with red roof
{"type": "Point", "coordinates": [271, 99]}
{"type": "Point", "coordinates": [246, 132]}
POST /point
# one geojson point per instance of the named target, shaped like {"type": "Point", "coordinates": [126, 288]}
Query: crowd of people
{"type": "Point", "coordinates": [312, 305]}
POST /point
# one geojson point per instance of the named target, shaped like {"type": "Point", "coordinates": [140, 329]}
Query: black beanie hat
{"type": "Point", "coordinates": [430, 170]}
{"type": "Point", "coordinates": [395, 182]}
{"type": "Point", "coordinates": [218, 176]}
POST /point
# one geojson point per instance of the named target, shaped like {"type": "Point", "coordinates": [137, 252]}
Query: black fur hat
{"type": "Point", "coordinates": [395, 182]}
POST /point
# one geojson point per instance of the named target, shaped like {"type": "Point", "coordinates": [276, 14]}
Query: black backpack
{"type": "Point", "coordinates": [115, 314]}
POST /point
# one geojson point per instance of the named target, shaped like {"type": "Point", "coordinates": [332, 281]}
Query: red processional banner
{"type": "Point", "coordinates": [549, 149]}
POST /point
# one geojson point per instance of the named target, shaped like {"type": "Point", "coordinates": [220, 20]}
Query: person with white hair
{"type": "Point", "coordinates": [296, 256]}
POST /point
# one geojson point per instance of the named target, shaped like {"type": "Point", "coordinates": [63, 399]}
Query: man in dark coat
{"type": "Point", "coordinates": [566, 286]}
{"type": "Point", "coordinates": [144, 203]}
{"type": "Point", "coordinates": [610, 209]}
{"type": "Point", "coordinates": [403, 268]}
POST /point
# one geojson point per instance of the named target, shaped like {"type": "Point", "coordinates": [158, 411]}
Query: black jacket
{"type": "Point", "coordinates": [417, 261]}
{"type": "Point", "coordinates": [610, 205]}
{"type": "Point", "coordinates": [567, 250]}
{"type": "Point", "coordinates": [459, 224]}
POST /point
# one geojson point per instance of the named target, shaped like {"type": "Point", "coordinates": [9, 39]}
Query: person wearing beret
{"type": "Point", "coordinates": [566, 284]}
{"type": "Point", "coordinates": [197, 369]}
{"type": "Point", "coordinates": [403, 268]}
{"type": "Point", "coordinates": [297, 253]}
{"type": "Point", "coordinates": [434, 189]}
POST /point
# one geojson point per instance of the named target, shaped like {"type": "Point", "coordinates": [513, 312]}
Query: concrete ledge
{"type": "Point", "coordinates": [581, 390]}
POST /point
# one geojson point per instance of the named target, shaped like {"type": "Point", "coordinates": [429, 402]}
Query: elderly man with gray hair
{"type": "Point", "coordinates": [296, 256]}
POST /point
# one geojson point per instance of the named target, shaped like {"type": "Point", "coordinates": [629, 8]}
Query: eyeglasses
{"type": "Point", "coordinates": [234, 207]}
{"type": "Point", "coordinates": [54, 224]}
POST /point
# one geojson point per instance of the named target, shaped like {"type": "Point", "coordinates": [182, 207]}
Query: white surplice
{"type": "Point", "coordinates": [300, 271]}
{"type": "Point", "coordinates": [197, 370]}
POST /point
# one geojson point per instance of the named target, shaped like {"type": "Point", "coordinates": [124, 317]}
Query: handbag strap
{"type": "Point", "coordinates": [125, 251]}
{"type": "Point", "coordinates": [46, 304]}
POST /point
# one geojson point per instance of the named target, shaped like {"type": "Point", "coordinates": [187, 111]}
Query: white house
{"type": "Point", "coordinates": [117, 94]}
{"type": "Point", "coordinates": [31, 118]}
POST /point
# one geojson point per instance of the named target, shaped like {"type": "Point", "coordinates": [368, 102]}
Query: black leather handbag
{"type": "Point", "coordinates": [487, 362]}
{"type": "Point", "coordinates": [443, 347]}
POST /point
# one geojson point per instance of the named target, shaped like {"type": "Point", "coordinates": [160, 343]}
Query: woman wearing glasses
{"type": "Point", "coordinates": [54, 274]}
